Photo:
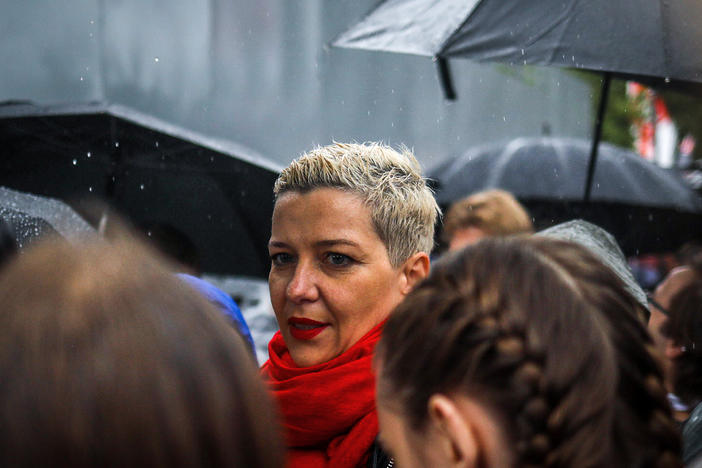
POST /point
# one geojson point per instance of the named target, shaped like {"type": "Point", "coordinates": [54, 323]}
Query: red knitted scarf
{"type": "Point", "coordinates": [329, 409]}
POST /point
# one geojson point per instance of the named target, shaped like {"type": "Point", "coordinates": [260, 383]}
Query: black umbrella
{"type": "Point", "coordinates": [646, 207]}
{"type": "Point", "coordinates": [656, 42]}
{"type": "Point", "coordinates": [214, 194]}
{"type": "Point", "coordinates": [32, 217]}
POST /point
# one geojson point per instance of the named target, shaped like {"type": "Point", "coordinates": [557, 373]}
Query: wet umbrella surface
{"type": "Point", "coordinates": [656, 42]}
{"type": "Point", "coordinates": [647, 208]}
{"type": "Point", "coordinates": [32, 217]}
{"type": "Point", "coordinates": [213, 194]}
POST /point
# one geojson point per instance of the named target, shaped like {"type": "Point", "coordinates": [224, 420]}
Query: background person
{"type": "Point", "coordinates": [107, 359]}
{"type": "Point", "coordinates": [484, 214]}
{"type": "Point", "coordinates": [353, 227]}
{"type": "Point", "coordinates": [682, 334]}
{"type": "Point", "coordinates": [522, 352]}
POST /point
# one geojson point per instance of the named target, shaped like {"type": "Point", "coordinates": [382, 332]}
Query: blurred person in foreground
{"type": "Point", "coordinates": [108, 360]}
{"type": "Point", "coordinates": [353, 227]}
{"type": "Point", "coordinates": [522, 352]}
{"type": "Point", "coordinates": [484, 214]}
{"type": "Point", "coordinates": [681, 332]}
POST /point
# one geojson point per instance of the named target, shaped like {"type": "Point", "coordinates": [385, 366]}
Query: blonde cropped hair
{"type": "Point", "coordinates": [403, 208]}
{"type": "Point", "coordinates": [496, 212]}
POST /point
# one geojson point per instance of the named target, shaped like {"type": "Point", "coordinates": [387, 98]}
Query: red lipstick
{"type": "Point", "coordinates": [305, 329]}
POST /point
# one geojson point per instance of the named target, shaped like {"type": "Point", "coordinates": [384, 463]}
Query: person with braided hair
{"type": "Point", "coordinates": [522, 352]}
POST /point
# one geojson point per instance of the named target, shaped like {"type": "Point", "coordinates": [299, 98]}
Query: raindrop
{"type": "Point", "coordinates": [148, 233]}
{"type": "Point", "coordinates": [524, 62]}
{"type": "Point", "coordinates": [75, 162]}
{"type": "Point", "coordinates": [392, 91]}
{"type": "Point", "coordinates": [81, 78]}
{"type": "Point", "coordinates": [156, 144]}
{"type": "Point", "coordinates": [650, 217]}
{"type": "Point", "coordinates": [573, 58]}
{"type": "Point", "coordinates": [89, 154]}
{"type": "Point", "coordinates": [90, 35]}
{"type": "Point", "coordinates": [209, 217]}
{"type": "Point", "coordinates": [667, 79]}
{"type": "Point", "coordinates": [211, 158]}
{"type": "Point", "coordinates": [156, 59]}
{"type": "Point", "coordinates": [504, 118]}
{"type": "Point", "coordinates": [522, 51]}
{"type": "Point", "coordinates": [116, 144]}
{"type": "Point", "coordinates": [392, 124]}
{"type": "Point", "coordinates": [141, 187]}
{"type": "Point", "coordinates": [597, 185]}
{"type": "Point", "coordinates": [368, 112]}
{"type": "Point", "coordinates": [90, 189]}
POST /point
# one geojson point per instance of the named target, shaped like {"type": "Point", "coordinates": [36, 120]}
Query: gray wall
{"type": "Point", "coordinates": [260, 73]}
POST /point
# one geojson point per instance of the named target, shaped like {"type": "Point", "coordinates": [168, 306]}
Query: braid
{"type": "Point", "coordinates": [645, 433]}
{"type": "Point", "coordinates": [541, 333]}
{"type": "Point", "coordinates": [507, 351]}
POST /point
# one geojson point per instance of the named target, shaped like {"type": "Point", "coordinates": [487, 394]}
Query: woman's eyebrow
{"type": "Point", "coordinates": [332, 242]}
{"type": "Point", "coordinates": [277, 244]}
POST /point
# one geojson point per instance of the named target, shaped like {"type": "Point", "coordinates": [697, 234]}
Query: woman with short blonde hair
{"type": "Point", "coordinates": [353, 227]}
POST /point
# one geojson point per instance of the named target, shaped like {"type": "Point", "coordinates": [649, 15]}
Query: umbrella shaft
{"type": "Point", "coordinates": [597, 135]}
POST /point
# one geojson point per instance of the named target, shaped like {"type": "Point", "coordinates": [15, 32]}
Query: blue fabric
{"type": "Point", "coordinates": [223, 302]}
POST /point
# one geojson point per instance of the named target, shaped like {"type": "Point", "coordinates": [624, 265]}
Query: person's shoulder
{"type": "Point", "coordinates": [692, 435]}
{"type": "Point", "coordinates": [378, 458]}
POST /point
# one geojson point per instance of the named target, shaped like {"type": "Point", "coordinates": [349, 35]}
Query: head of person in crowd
{"type": "Point", "coordinates": [659, 305]}
{"type": "Point", "coordinates": [108, 360]}
{"type": "Point", "coordinates": [352, 230]}
{"type": "Point", "coordinates": [484, 214]}
{"type": "Point", "coordinates": [682, 332]}
{"type": "Point", "coordinates": [522, 352]}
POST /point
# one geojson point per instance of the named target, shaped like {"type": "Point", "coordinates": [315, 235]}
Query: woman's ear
{"type": "Point", "coordinates": [454, 435]}
{"type": "Point", "coordinates": [414, 270]}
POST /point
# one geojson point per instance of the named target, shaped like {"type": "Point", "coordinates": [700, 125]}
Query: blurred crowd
{"type": "Point", "coordinates": [510, 348]}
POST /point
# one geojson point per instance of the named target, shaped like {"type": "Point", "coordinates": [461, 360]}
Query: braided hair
{"type": "Point", "coordinates": [545, 336]}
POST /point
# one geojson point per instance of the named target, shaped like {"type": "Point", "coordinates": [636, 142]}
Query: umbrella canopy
{"type": "Point", "coordinates": [658, 39]}
{"type": "Point", "coordinates": [646, 207]}
{"type": "Point", "coordinates": [655, 42]}
{"type": "Point", "coordinates": [214, 194]}
{"type": "Point", "coordinates": [32, 217]}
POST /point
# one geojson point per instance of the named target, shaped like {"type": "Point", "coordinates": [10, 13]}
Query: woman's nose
{"type": "Point", "coordinates": [303, 285]}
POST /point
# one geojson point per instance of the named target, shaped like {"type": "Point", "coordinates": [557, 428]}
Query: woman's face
{"type": "Point", "coordinates": [331, 279]}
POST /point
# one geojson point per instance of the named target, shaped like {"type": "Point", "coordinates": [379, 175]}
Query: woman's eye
{"type": "Point", "coordinates": [337, 259]}
{"type": "Point", "coordinates": [282, 258]}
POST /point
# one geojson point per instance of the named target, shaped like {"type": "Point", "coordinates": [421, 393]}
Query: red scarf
{"type": "Point", "coordinates": [329, 409]}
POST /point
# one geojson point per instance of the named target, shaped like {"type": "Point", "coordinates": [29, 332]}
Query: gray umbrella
{"type": "Point", "coordinates": [646, 207]}
{"type": "Point", "coordinates": [33, 217]}
{"type": "Point", "coordinates": [206, 201]}
{"type": "Point", "coordinates": [551, 168]}
{"type": "Point", "coordinates": [652, 41]}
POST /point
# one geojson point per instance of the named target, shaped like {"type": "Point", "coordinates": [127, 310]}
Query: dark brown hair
{"type": "Point", "coordinates": [684, 327]}
{"type": "Point", "coordinates": [529, 327]}
{"type": "Point", "coordinates": [109, 360]}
